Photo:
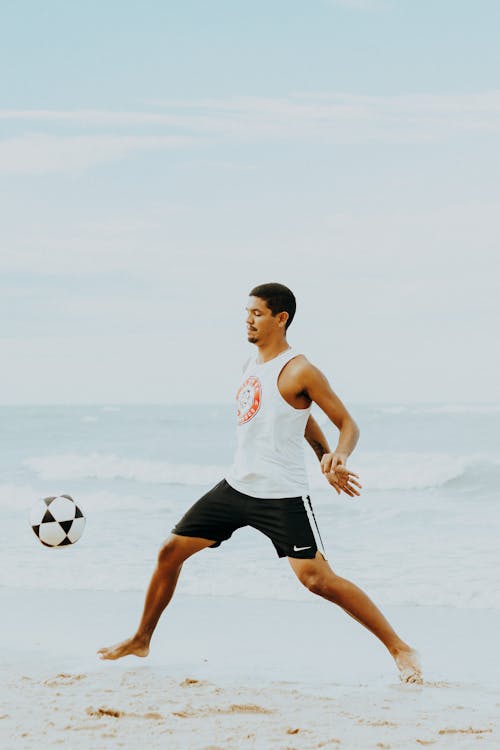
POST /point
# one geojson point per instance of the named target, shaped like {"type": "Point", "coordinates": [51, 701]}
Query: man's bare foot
{"type": "Point", "coordinates": [408, 663]}
{"type": "Point", "coordinates": [132, 646]}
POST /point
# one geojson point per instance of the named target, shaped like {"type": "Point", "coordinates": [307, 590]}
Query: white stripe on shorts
{"type": "Point", "coordinates": [313, 524]}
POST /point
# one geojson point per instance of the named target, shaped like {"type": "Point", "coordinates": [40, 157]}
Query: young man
{"type": "Point", "coordinates": [267, 485]}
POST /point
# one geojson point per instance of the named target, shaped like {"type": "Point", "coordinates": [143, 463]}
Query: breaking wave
{"type": "Point", "coordinates": [378, 471]}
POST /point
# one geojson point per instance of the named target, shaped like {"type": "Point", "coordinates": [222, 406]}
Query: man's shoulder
{"type": "Point", "coordinates": [298, 360]}
{"type": "Point", "coordinates": [299, 366]}
{"type": "Point", "coordinates": [303, 371]}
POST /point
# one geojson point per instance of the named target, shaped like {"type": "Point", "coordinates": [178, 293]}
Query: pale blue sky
{"type": "Point", "coordinates": [158, 159]}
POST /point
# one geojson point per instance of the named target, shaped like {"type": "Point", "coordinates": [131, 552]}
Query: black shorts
{"type": "Point", "coordinates": [289, 522]}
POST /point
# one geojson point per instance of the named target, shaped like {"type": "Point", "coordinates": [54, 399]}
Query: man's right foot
{"type": "Point", "coordinates": [408, 662]}
{"type": "Point", "coordinates": [132, 646]}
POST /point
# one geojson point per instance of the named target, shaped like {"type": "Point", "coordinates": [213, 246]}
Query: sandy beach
{"type": "Point", "coordinates": [241, 673]}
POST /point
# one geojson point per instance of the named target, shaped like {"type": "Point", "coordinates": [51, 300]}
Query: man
{"type": "Point", "coordinates": [267, 486]}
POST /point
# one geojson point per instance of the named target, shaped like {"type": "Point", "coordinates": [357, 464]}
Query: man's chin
{"type": "Point", "coordinates": [252, 339]}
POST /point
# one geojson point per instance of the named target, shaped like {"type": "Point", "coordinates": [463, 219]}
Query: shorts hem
{"type": "Point", "coordinates": [295, 556]}
{"type": "Point", "coordinates": [192, 535]}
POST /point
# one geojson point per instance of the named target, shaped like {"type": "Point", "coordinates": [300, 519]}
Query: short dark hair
{"type": "Point", "coordinates": [279, 298]}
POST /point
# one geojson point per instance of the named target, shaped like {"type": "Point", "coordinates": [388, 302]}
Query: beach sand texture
{"type": "Point", "coordinates": [241, 674]}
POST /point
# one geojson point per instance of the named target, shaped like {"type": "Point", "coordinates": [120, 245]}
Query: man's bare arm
{"type": "Point", "coordinates": [333, 463]}
{"type": "Point", "coordinates": [316, 438]}
{"type": "Point", "coordinates": [319, 390]}
{"type": "Point", "coordinates": [342, 481]}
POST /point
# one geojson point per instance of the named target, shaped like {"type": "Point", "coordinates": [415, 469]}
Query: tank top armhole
{"type": "Point", "coordinates": [293, 408]}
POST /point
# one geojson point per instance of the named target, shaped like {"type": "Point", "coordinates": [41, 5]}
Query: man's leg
{"type": "Point", "coordinates": [161, 588]}
{"type": "Point", "coordinates": [318, 577]}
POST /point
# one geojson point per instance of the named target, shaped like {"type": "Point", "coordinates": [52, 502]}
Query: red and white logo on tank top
{"type": "Point", "coordinates": [248, 399]}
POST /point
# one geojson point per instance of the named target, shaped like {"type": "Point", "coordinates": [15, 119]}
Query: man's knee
{"type": "Point", "coordinates": [178, 548]}
{"type": "Point", "coordinates": [168, 553]}
{"type": "Point", "coordinates": [312, 580]}
{"type": "Point", "coordinates": [175, 550]}
{"type": "Point", "coordinates": [320, 582]}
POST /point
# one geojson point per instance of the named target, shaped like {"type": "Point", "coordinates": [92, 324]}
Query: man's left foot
{"type": "Point", "coordinates": [408, 663]}
{"type": "Point", "coordinates": [132, 646]}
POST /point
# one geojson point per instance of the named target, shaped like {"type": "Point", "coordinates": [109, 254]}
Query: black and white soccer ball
{"type": "Point", "coordinates": [57, 521]}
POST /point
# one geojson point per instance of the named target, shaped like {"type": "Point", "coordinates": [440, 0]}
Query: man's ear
{"type": "Point", "coordinates": [282, 318]}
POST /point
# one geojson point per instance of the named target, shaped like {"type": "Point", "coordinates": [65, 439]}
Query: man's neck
{"type": "Point", "coordinates": [272, 350]}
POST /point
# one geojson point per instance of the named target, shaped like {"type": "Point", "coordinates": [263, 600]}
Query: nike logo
{"type": "Point", "coordinates": [298, 549]}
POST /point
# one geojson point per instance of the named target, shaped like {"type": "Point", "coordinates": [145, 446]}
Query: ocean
{"type": "Point", "coordinates": [424, 531]}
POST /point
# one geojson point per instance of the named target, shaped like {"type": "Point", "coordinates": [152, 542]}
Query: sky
{"type": "Point", "coordinates": [159, 159]}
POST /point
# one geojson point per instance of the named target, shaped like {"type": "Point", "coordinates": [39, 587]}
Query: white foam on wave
{"type": "Point", "coordinates": [109, 466]}
{"type": "Point", "coordinates": [409, 470]}
{"type": "Point", "coordinates": [377, 470]}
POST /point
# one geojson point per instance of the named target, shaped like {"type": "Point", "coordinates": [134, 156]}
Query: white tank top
{"type": "Point", "coordinates": [269, 461]}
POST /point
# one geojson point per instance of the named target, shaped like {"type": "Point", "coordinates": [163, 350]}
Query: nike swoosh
{"type": "Point", "coordinates": [298, 549]}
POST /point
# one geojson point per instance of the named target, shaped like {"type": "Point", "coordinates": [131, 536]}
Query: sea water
{"type": "Point", "coordinates": [424, 531]}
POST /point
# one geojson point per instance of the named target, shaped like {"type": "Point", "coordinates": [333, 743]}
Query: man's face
{"type": "Point", "coordinates": [260, 320]}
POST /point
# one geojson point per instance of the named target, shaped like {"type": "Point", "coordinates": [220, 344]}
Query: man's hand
{"type": "Point", "coordinates": [338, 475]}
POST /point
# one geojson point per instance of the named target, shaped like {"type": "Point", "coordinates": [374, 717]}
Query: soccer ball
{"type": "Point", "coordinates": [57, 521]}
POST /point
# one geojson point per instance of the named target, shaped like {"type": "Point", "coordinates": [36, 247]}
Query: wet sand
{"type": "Point", "coordinates": [241, 673]}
